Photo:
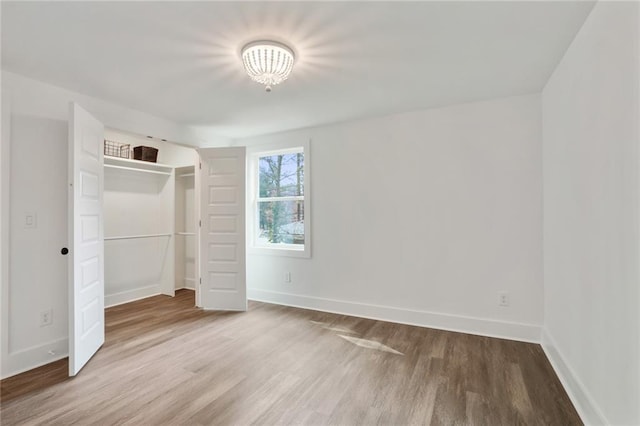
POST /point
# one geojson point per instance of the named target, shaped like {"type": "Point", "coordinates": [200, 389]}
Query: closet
{"type": "Point", "coordinates": [149, 222]}
{"type": "Point", "coordinates": [126, 215]}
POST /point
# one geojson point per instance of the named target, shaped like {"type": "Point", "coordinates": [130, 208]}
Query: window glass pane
{"type": "Point", "coordinates": [281, 222]}
{"type": "Point", "coordinates": [282, 175]}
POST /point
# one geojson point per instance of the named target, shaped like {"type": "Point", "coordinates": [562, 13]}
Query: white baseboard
{"type": "Point", "coordinates": [483, 327]}
{"type": "Point", "coordinates": [187, 283]}
{"type": "Point", "coordinates": [580, 397]}
{"type": "Point", "coordinates": [36, 356]}
{"type": "Point", "coordinates": [130, 295]}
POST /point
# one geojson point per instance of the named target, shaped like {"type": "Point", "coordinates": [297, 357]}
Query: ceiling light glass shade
{"type": "Point", "coordinates": [268, 62]}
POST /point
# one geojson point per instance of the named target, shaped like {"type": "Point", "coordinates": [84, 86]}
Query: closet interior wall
{"type": "Point", "coordinates": [140, 221]}
{"type": "Point", "coordinates": [185, 226]}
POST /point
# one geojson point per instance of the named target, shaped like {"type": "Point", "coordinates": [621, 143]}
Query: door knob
{"type": "Point", "coordinates": [64, 251]}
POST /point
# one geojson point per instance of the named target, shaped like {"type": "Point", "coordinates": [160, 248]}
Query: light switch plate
{"type": "Point", "coordinates": [30, 220]}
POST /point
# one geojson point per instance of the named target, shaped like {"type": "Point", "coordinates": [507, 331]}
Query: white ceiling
{"type": "Point", "coordinates": [180, 60]}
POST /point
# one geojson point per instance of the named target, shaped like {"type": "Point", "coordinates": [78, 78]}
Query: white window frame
{"type": "Point", "coordinates": [253, 183]}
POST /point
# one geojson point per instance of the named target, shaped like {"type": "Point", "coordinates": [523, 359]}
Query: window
{"type": "Point", "coordinates": [280, 201]}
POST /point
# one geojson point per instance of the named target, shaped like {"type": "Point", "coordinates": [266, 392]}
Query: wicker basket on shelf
{"type": "Point", "coordinates": [116, 149]}
{"type": "Point", "coordinates": [145, 153]}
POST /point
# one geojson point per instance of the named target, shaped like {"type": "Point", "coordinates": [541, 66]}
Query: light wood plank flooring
{"type": "Point", "coordinates": [165, 362]}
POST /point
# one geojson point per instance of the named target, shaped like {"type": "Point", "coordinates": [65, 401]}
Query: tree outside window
{"type": "Point", "coordinates": [281, 199]}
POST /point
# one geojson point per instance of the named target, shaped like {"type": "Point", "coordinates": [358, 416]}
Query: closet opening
{"type": "Point", "coordinates": [135, 228]}
{"type": "Point", "coordinates": [150, 219]}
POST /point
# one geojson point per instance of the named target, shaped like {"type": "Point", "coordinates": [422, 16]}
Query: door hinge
{"type": "Point", "coordinates": [200, 166]}
{"type": "Point", "coordinates": [200, 280]}
{"type": "Point", "coordinates": [200, 223]}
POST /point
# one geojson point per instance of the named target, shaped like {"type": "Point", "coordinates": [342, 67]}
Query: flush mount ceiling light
{"type": "Point", "coordinates": [268, 62]}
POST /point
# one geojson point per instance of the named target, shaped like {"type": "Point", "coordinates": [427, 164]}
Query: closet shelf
{"type": "Point", "coordinates": [137, 166]}
{"type": "Point", "coordinates": [131, 237]}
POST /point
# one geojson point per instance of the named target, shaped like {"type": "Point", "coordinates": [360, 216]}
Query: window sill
{"type": "Point", "coordinates": [280, 251]}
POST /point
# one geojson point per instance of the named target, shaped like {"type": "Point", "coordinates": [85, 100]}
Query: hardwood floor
{"type": "Point", "coordinates": [165, 362]}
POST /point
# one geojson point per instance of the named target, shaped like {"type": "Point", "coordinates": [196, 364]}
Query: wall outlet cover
{"type": "Point", "coordinates": [46, 317]}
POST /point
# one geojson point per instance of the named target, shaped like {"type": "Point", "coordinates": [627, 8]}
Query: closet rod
{"type": "Point", "coordinates": [137, 169]}
{"type": "Point", "coordinates": [185, 233]}
{"type": "Point", "coordinates": [187, 175]}
{"type": "Point", "coordinates": [130, 237]}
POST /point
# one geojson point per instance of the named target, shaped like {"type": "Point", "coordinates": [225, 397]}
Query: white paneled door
{"type": "Point", "coordinates": [86, 238]}
{"type": "Point", "coordinates": [222, 230]}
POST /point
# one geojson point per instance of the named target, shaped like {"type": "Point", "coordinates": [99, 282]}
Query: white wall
{"type": "Point", "coordinates": [422, 218]}
{"type": "Point", "coordinates": [36, 269]}
{"type": "Point", "coordinates": [40, 99]}
{"type": "Point", "coordinates": [591, 120]}
{"type": "Point", "coordinates": [136, 204]}
{"type": "Point", "coordinates": [5, 135]}
{"type": "Point", "coordinates": [34, 274]}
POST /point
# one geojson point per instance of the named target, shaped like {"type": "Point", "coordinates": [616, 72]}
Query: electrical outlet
{"type": "Point", "coordinates": [287, 277]}
{"type": "Point", "coordinates": [503, 299]}
{"type": "Point", "coordinates": [46, 317]}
